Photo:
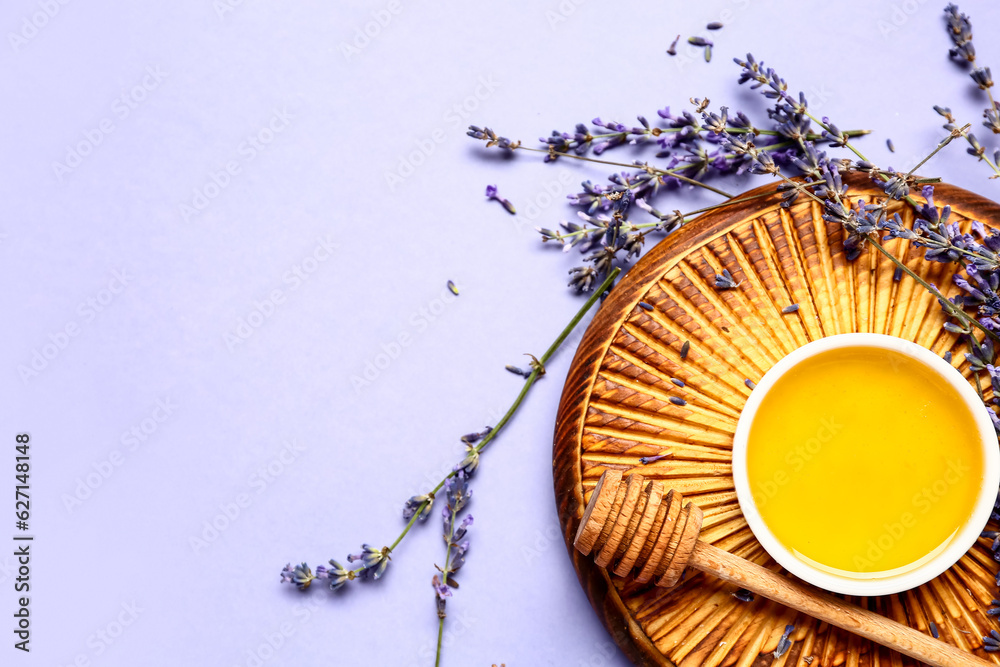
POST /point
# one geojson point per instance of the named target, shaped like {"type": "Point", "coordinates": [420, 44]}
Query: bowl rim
{"type": "Point", "coordinates": [934, 566]}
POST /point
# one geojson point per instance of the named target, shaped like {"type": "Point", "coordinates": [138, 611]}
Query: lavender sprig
{"type": "Point", "coordinates": [374, 561]}
{"type": "Point", "coordinates": [959, 29]}
{"type": "Point", "coordinates": [457, 495]}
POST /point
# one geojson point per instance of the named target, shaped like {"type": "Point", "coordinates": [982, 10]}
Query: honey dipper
{"type": "Point", "coordinates": [635, 524]}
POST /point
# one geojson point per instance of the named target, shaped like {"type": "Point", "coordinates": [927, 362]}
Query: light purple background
{"type": "Point", "coordinates": [362, 452]}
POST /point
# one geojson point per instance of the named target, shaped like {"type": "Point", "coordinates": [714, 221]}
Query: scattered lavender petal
{"type": "Point", "coordinates": [784, 643]}
{"type": "Point", "coordinates": [790, 309]}
{"type": "Point", "coordinates": [673, 46]}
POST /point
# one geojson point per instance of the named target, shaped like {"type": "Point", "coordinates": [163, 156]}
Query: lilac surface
{"type": "Point", "coordinates": [199, 79]}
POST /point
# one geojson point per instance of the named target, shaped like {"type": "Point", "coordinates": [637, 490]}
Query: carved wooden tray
{"type": "Point", "coordinates": [615, 409]}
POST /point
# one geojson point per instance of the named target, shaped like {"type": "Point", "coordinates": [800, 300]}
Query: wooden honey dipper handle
{"type": "Point", "coordinates": [632, 524]}
{"type": "Point", "coordinates": [828, 608]}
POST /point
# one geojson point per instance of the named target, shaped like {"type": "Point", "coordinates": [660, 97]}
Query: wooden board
{"type": "Point", "coordinates": [616, 408]}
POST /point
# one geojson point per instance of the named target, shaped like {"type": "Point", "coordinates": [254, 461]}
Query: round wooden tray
{"type": "Point", "coordinates": [615, 409]}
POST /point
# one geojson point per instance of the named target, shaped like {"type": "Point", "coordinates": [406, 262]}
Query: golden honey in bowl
{"type": "Point", "coordinates": [864, 462]}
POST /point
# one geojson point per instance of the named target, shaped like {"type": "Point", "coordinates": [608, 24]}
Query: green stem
{"type": "Point", "coordinates": [528, 382]}
{"type": "Point", "coordinates": [437, 660]}
{"type": "Point", "coordinates": [944, 142]}
{"type": "Point", "coordinates": [413, 520]}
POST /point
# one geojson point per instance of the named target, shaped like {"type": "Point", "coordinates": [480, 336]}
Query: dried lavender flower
{"type": "Point", "coordinates": [725, 280]}
{"type": "Point", "coordinates": [784, 643]}
{"type": "Point", "coordinates": [685, 348]}
{"type": "Point", "coordinates": [750, 384]}
{"type": "Point", "coordinates": [645, 306]}
{"type": "Point", "coordinates": [934, 630]}
{"type": "Point", "coordinates": [678, 401]}
{"type": "Point", "coordinates": [790, 309]}
{"type": "Point", "coordinates": [470, 463]}
{"type": "Point", "coordinates": [982, 77]}
{"type": "Point", "coordinates": [457, 492]}
{"type": "Point", "coordinates": [699, 41]}
{"type": "Point", "coordinates": [583, 278]}
{"type": "Point", "coordinates": [300, 575]}
{"type": "Point", "coordinates": [743, 595]}
{"type": "Point", "coordinates": [414, 504]}
{"type": "Point", "coordinates": [714, 25]}
{"type": "Point", "coordinates": [373, 561]}
{"type": "Point", "coordinates": [646, 460]}
{"type": "Point", "coordinates": [678, 382]}
{"type": "Point", "coordinates": [890, 146]}
{"type": "Point", "coordinates": [337, 575]}
{"type": "Point", "coordinates": [452, 288]}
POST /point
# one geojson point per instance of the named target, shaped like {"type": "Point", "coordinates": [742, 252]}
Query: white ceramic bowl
{"type": "Point", "coordinates": [934, 564]}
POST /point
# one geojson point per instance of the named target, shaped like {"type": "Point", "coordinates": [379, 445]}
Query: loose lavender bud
{"type": "Point", "coordinates": [784, 643]}
{"type": "Point", "coordinates": [708, 59]}
{"type": "Point", "coordinates": [645, 306]}
{"type": "Point", "coordinates": [646, 460]}
{"type": "Point", "coordinates": [750, 384]}
{"type": "Point", "coordinates": [934, 630]}
{"type": "Point", "coordinates": [452, 288]}
{"type": "Point", "coordinates": [725, 280]}
{"type": "Point", "coordinates": [743, 595]}
{"type": "Point", "coordinates": [890, 146]}
{"type": "Point", "coordinates": [491, 193]}
{"type": "Point", "coordinates": [678, 382]}
{"type": "Point", "coordinates": [517, 371]}
{"type": "Point", "coordinates": [678, 401]}
{"type": "Point", "coordinates": [685, 348]}
{"type": "Point", "coordinates": [673, 46]}
{"type": "Point", "coordinates": [699, 41]}
{"type": "Point", "coordinates": [714, 25]}
{"type": "Point", "coordinates": [790, 309]}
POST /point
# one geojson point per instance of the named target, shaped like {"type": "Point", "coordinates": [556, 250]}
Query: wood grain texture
{"type": "Point", "coordinates": [616, 409]}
